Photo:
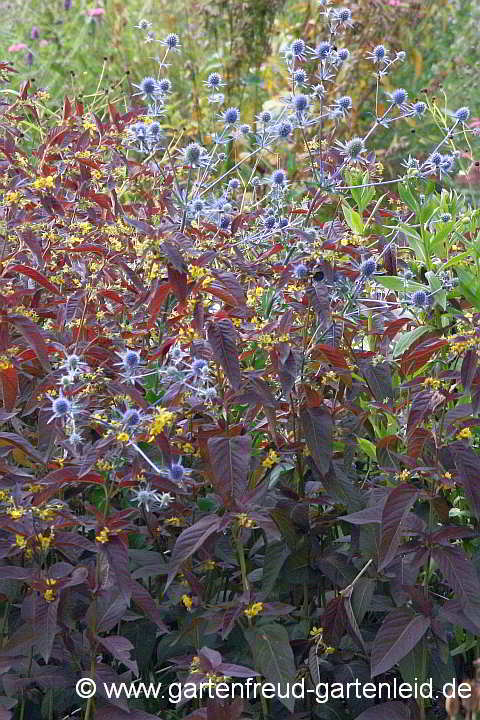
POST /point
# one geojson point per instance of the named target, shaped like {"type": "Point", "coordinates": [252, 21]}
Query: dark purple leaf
{"type": "Point", "coordinates": [222, 338]}
{"type": "Point", "coordinates": [401, 630]}
{"type": "Point", "coordinates": [144, 600]}
{"type": "Point", "coordinates": [460, 574]}
{"type": "Point", "coordinates": [189, 541]}
{"type": "Point", "coordinates": [318, 428]}
{"type": "Point", "coordinates": [398, 504]}
{"type": "Point", "coordinates": [117, 554]}
{"type": "Point", "coordinates": [120, 648]}
{"type": "Point", "coordinates": [468, 466]}
{"type": "Point", "coordinates": [469, 368]}
{"type": "Point", "coordinates": [230, 460]}
{"type": "Point", "coordinates": [394, 710]}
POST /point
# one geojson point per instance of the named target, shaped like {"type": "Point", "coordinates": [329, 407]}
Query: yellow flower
{"type": "Point", "coordinates": [43, 183]}
{"type": "Point", "coordinates": [20, 541]}
{"type": "Point", "coordinates": [16, 513]}
{"type": "Point", "coordinates": [244, 521]}
{"type": "Point", "coordinates": [161, 419]}
{"type": "Point", "coordinates": [253, 610]}
{"type": "Point", "coordinates": [403, 476]}
{"type": "Point", "coordinates": [465, 434]}
{"type": "Point", "coordinates": [316, 631]}
{"type": "Point", "coordinates": [102, 536]}
{"type": "Point", "coordinates": [12, 197]}
{"type": "Point", "coordinates": [50, 594]}
{"type": "Point", "coordinates": [45, 541]}
{"type": "Point", "coordinates": [195, 664]}
{"type": "Point", "coordinates": [174, 521]}
{"type": "Point", "coordinates": [123, 437]}
{"type": "Point", "coordinates": [187, 601]}
{"type": "Point", "coordinates": [271, 459]}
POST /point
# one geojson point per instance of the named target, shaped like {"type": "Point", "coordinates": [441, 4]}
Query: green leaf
{"type": "Point", "coordinates": [353, 219]}
{"type": "Point", "coordinates": [273, 657]}
{"type": "Point", "coordinates": [393, 282]}
{"type": "Point", "coordinates": [470, 286]}
{"type": "Point", "coordinates": [368, 448]}
{"type": "Point", "coordinates": [408, 338]}
{"type": "Point", "coordinates": [407, 196]}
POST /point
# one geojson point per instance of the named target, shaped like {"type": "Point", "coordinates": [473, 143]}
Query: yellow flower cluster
{"type": "Point", "coordinates": [187, 601]}
{"type": "Point", "coordinates": [431, 382]}
{"type": "Point", "coordinates": [5, 362]}
{"type": "Point", "coordinates": [123, 437]}
{"type": "Point", "coordinates": [43, 183]}
{"type": "Point", "coordinates": [161, 419]}
{"type": "Point", "coordinates": [465, 434]}
{"type": "Point", "coordinates": [174, 522]}
{"type": "Point", "coordinates": [244, 521]}
{"type": "Point", "coordinates": [103, 536]}
{"type": "Point", "coordinates": [50, 594]}
{"type": "Point", "coordinates": [254, 609]}
{"type": "Point", "coordinates": [272, 459]}
{"type": "Point", "coordinates": [253, 295]}
{"type": "Point", "coordinates": [200, 273]}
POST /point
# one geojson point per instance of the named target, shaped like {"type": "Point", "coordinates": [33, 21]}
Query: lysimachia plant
{"type": "Point", "coordinates": [240, 410]}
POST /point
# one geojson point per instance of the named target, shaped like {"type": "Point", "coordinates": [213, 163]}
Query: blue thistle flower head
{"type": "Point", "coordinates": [172, 41]}
{"type": "Point", "coordinates": [323, 50]}
{"type": "Point", "coordinates": [198, 366]}
{"type": "Point", "coordinates": [231, 116]}
{"type": "Point", "coordinates": [419, 298]}
{"type": "Point", "coordinates": [343, 54]}
{"type": "Point", "coordinates": [233, 184]}
{"type": "Point", "coordinates": [265, 117]}
{"type": "Point", "coordinates": [61, 406]}
{"type": "Point", "coordinates": [343, 15]}
{"type": "Point", "coordinates": [445, 217]}
{"type": "Point", "coordinates": [300, 271]}
{"type": "Point", "coordinates": [131, 418]}
{"type": "Point", "coordinates": [176, 472]}
{"type": "Point", "coordinates": [298, 47]}
{"type": "Point", "coordinates": [164, 86]}
{"type": "Point", "coordinates": [245, 129]}
{"type": "Point", "coordinates": [197, 205]}
{"type": "Point", "coordinates": [131, 359]}
{"type": "Point", "coordinates": [284, 130]}
{"type": "Point", "coordinates": [419, 108]}
{"type": "Point", "coordinates": [224, 223]}
{"type": "Point", "coordinates": [300, 103]}
{"type": "Point", "coordinates": [279, 178]}
{"type": "Point", "coordinates": [282, 223]}
{"type": "Point", "coordinates": [379, 53]}
{"type": "Point", "coordinates": [353, 148]}
{"type": "Point", "coordinates": [447, 164]}
{"type": "Point", "coordinates": [193, 154]}
{"type": "Point", "coordinates": [368, 267]}
{"type": "Point", "coordinates": [214, 81]}
{"type": "Point", "coordinates": [462, 114]}
{"type": "Point", "coordinates": [436, 158]}
{"type": "Point", "coordinates": [399, 96]}
{"type": "Point", "coordinates": [269, 222]}
{"type": "Point", "coordinates": [149, 86]}
{"type": "Point", "coordinates": [344, 103]}
{"type": "Point", "coordinates": [300, 77]}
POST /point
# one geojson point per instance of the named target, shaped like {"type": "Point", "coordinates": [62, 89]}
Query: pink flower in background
{"type": "Point", "coordinates": [44, 43]}
{"type": "Point", "coordinates": [16, 47]}
{"type": "Point", "coordinates": [395, 3]}
{"type": "Point", "coordinates": [96, 12]}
